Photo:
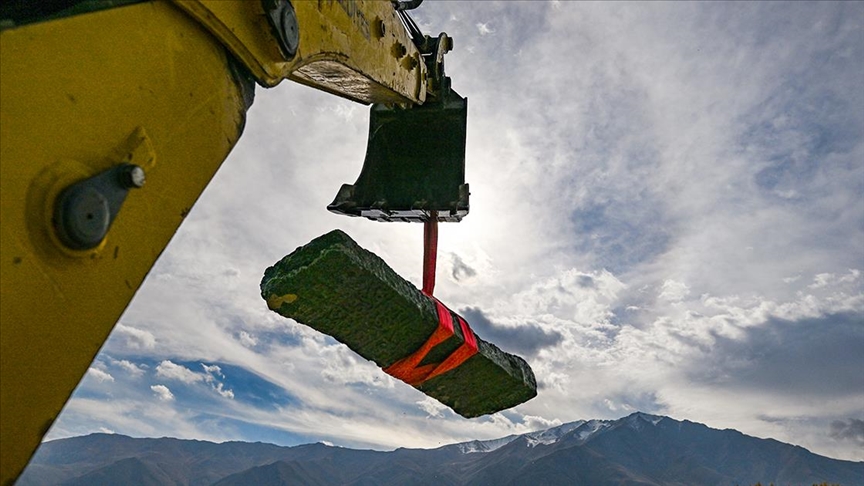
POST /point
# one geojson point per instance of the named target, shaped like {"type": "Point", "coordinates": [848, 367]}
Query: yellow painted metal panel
{"type": "Point", "coordinates": [143, 83]}
{"type": "Point", "coordinates": [353, 48]}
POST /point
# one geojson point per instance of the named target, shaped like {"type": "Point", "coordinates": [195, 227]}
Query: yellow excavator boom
{"type": "Point", "coordinates": [112, 122]}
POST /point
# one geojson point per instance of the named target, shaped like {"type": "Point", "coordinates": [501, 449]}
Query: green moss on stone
{"type": "Point", "coordinates": [352, 295]}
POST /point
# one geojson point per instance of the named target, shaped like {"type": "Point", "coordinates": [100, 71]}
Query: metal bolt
{"type": "Point", "coordinates": [84, 211]}
{"type": "Point", "coordinates": [283, 20]}
{"type": "Point", "coordinates": [133, 177]}
{"type": "Point", "coordinates": [83, 217]}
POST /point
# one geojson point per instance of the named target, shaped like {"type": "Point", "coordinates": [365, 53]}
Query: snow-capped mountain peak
{"type": "Point", "coordinates": [639, 419]}
{"type": "Point", "coordinates": [485, 445]}
{"type": "Point", "coordinates": [552, 435]}
{"type": "Point", "coordinates": [580, 431]}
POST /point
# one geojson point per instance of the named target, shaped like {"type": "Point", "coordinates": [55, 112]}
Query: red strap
{"type": "Point", "coordinates": [407, 369]}
{"type": "Point", "coordinates": [462, 353]}
{"type": "Point", "coordinates": [430, 252]}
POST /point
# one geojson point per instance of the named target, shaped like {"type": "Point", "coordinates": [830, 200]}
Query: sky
{"type": "Point", "coordinates": [667, 215]}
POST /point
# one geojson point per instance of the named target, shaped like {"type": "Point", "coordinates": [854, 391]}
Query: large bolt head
{"type": "Point", "coordinates": [82, 218]}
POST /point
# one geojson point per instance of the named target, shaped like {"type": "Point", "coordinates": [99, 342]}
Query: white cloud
{"type": "Point", "coordinates": [822, 280]}
{"type": "Point", "coordinates": [162, 392]}
{"type": "Point", "coordinates": [342, 366]}
{"type": "Point", "coordinates": [135, 338]}
{"type": "Point", "coordinates": [212, 371]}
{"type": "Point", "coordinates": [173, 371]}
{"type": "Point", "coordinates": [223, 392]}
{"type": "Point", "coordinates": [484, 29]}
{"type": "Point", "coordinates": [432, 407]}
{"type": "Point", "coordinates": [100, 375]}
{"type": "Point", "coordinates": [130, 367]}
{"type": "Point", "coordinates": [138, 416]}
{"type": "Point", "coordinates": [247, 339]}
{"type": "Point", "coordinates": [539, 423]}
{"type": "Point", "coordinates": [673, 291]}
{"type": "Point", "coordinates": [826, 279]}
{"type": "Point", "coordinates": [572, 296]}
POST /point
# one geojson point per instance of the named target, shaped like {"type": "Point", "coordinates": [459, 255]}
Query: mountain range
{"type": "Point", "coordinates": [639, 449]}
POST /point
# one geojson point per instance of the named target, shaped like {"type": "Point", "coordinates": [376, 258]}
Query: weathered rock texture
{"type": "Point", "coordinates": [338, 288]}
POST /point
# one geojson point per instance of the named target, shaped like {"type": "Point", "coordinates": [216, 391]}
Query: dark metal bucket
{"type": "Point", "coordinates": [415, 164]}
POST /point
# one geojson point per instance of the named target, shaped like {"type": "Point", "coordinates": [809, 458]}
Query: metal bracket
{"type": "Point", "coordinates": [439, 83]}
{"type": "Point", "coordinates": [84, 211]}
{"type": "Point", "coordinates": [283, 21]}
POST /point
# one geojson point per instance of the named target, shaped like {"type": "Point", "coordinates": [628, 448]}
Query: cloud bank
{"type": "Point", "coordinates": [667, 216]}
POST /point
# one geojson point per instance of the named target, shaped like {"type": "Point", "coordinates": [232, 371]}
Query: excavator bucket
{"type": "Point", "coordinates": [415, 164]}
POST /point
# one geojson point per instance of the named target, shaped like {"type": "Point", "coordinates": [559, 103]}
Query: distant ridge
{"type": "Point", "coordinates": [639, 449]}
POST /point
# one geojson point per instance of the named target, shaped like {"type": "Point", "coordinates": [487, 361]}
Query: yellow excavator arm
{"type": "Point", "coordinates": [114, 116]}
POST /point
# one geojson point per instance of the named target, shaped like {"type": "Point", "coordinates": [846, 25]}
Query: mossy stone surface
{"type": "Point", "coordinates": [338, 288]}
